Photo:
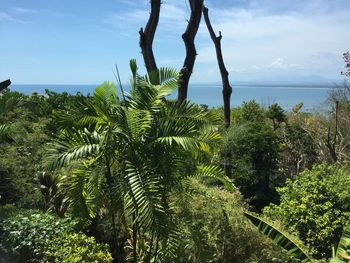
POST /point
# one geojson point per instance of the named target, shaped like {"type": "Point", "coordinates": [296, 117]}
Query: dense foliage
{"type": "Point", "coordinates": [145, 176]}
{"type": "Point", "coordinates": [75, 248]}
{"type": "Point", "coordinates": [254, 150]}
{"type": "Point", "coordinates": [30, 123]}
{"type": "Point", "coordinates": [25, 233]}
{"type": "Point", "coordinates": [215, 229]}
{"type": "Point", "coordinates": [316, 206]}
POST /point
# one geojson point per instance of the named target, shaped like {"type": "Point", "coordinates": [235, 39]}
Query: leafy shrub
{"type": "Point", "coordinates": [214, 229]}
{"type": "Point", "coordinates": [74, 248]}
{"type": "Point", "coordinates": [255, 151]}
{"type": "Point", "coordinates": [250, 111]}
{"type": "Point", "coordinates": [315, 206]}
{"type": "Point", "coordinates": [24, 235]}
{"type": "Point", "coordinates": [299, 150]}
{"type": "Point", "coordinates": [21, 158]}
{"type": "Point", "coordinates": [7, 211]}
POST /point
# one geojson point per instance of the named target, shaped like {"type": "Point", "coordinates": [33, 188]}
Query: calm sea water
{"type": "Point", "coordinates": [211, 94]}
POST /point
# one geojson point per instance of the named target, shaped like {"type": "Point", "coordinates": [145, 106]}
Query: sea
{"type": "Point", "coordinates": [312, 96]}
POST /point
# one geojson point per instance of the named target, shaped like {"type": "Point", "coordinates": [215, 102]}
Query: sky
{"type": "Point", "coordinates": [81, 41]}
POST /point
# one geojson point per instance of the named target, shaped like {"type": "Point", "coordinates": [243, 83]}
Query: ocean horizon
{"type": "Point", "coordinates": [286, 95]}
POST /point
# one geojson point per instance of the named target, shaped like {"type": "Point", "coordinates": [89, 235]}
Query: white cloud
{"type": "Point", "coordinates": [280, 63]}
{"type": "Point", "coordinates": [21, 10]}
{"type": "Point", "coordinates": [5, 17]}
{"type": "Point", "coordinates": [252, 38]}
{"type": "Point", "coordinates": [174, 15]}
{"type": "Point", "coordinates": [173, 18]}
{"type": "Point", "coordinates": [255, 39]}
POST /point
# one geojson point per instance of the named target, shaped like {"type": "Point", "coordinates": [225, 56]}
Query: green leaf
{"type": "Point", "coordinates": [343, 246]}
{"type": "Point", "coordinates": [280, 238]}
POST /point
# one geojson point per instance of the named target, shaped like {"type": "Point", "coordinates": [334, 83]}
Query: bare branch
{"type": "Point", "coordinates": [188, 38]}
{"type": "Point", "coordinates": [332, 145]}
{"type": "Point", "coordinates": [226, 88]}
{"type": "Point", "coordinates": [4, 84]}
{"type": "Point", "coordinates": [147, 36]}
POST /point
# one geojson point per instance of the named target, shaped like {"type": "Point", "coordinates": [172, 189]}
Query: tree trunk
{"type": "Point", "coordinates": [134, 239]}
{"type": "Point", "coordinates": [188, 38]}
{"type": "Point", "coordinates": [226, 88]}
{"type": "Point", "coordinates": [147, 36]}
{"type": "Point", "coordinates": [332, 145]}
{"type": "Point", "coordinates": [117, 249]}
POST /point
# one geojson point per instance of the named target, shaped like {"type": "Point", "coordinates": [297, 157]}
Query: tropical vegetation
{"type": "Point", "coordinates": [134, 176]}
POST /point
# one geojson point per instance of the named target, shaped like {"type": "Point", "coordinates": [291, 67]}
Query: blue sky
{"type": "Point", "coordinates": [79, 42]}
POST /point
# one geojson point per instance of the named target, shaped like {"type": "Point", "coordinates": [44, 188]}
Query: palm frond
{"type": "Point", "coordinates": [133, 67]}
{"type": "Point", "coordinates": [187, 143]}
{"type": "Point", "coordinates": [7, 103]}
{"type": "Point", "coordinates": [82, 188]}
{"type": "Point", "coordinates": [208, 140]}
{"type": "Point", "coordinates": [343, 250]}
{"type": "Point", "coordinates": [217, 173]}
{"type": "Point", "coordinates": [280, 238]}
{"type": "Point", "coordinates": [145, 96]}
{"type": "Point", "coordinates": [5, 132]}
{"type": "Point", "coordinates": [163, 77]}
{"type": "Point", "coordinates": [171, 237]}
{"type": "Point", "coordinates": [139, 122]}
{"type": "Point", "coordinates": [190, 113]}
{"type": "Point", "coordinates": [144, 194]}
{"type": "Point", "coordinates": [107, 93]}
{"type": "Point", "coordinates": [72, 146]}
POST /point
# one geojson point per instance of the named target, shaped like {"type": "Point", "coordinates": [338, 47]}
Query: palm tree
{"type": "Point", "coordinates": [140, 146]}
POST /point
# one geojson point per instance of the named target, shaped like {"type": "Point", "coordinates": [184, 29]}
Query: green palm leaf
{"type": "Point", "coordinates": [5, 132]}
{"type": "Point", "coordinates": [7, 103]}
{"type": "Point", "coordinates": [72, 146]}
{"type": "Point", "coordinates": [343, 250]}
{"type": "Point", "coordinates": [280, 238]}
{"type": "Point", "coordinates": [144, 193]}
{"type": "Point", "coordinates": [83, 190]}
{"type": "Point", "coordinates": [217, 173]}
{"type": "Point", "coordinates": [164, 78]}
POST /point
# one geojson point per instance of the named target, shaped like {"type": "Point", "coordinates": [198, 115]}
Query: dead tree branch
{"type": "Point", "coordinates": [226, 88]}
{"type": "Point", "coordinates": [5, 84]}
{"type": "Point", "coordinates": [188, 38]}
{"type": "Point", "coordinates": [331, 145]}
{"type": "Point", "coordinates": [147, 36]}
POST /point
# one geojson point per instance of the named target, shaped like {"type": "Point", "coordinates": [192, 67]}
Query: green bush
{"type": "Point", "coordinates": [214, 229]}
{"type": "Point", "coordinates": [21, 158]}
{"type": "Point", "coordinates": [7, 211]}
{"type": "Point", "coordinates": [74, 248]}
{"type": "Point", "coordinates": [315, 206]}
{"type": "Point", "coordinates": [254, 150]}
{"type": "Point", "coordinates": [23, 236]}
